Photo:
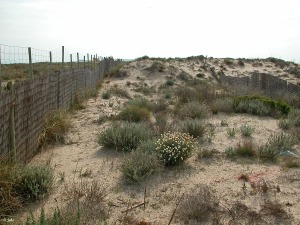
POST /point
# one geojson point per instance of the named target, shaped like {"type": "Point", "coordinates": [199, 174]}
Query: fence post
{"type": "Point", "coordinates": [91, 66]}
{"type": "Point", "coordinates": [77, 59]}
{"type": "Point", "coordinates": [0, 76]}
{"type": "Point", "coordinates": [94, 63]}
{"type": "Point", "coordinates": [88, 60]}
{"type": "Point", "coordinates": [30, 63]}
{"type": "Point", "coordinates": [71, 62]}
{"type": "Point", "coordinates": [63, 57]}
{"type": "Point", "coordinates": [83, 61]}
{"type": "Point", "coordinates": [50, 55]}
{"type": "Point", "coordinates": [12, 131]}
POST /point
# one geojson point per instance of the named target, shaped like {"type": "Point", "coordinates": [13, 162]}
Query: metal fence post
{"type": "Point", "coordinates": [30, 63]}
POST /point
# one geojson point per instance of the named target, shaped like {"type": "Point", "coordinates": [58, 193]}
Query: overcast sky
{"type": "Point", "coordinates": [157, 28]}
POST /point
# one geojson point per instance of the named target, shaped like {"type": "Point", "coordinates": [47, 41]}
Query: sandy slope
{"type": "Point", "coordinates": [82, 154]}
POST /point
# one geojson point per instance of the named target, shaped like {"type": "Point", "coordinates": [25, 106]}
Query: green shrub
{"type": "Point", "coordinates": [124, 136]}
{"type": "Point", "coordinates": [194, 128]}
{"type": "Point", "coordinates": [268, 153]}
{"type": "Point", "coordinates": [106, 95]}
{"type": "Point", "coordinates": [246, 130]}
{"type": "Point", "coordinates": [133, 114]}
{"type": "Point", "coordinates": [222, 105]}
{"type": "Point", "coordinates": [259, 105]}
{"type": "Point", "coordinates": [230, 152]}
{"type": "Point", "coordinates": [170, 82]}
{"type": "Point", "coordinates": [246, 149]}
{"type": "Point", "coordinates": [141, 103]}
{"type": "Point", "coordinates": [194, 110]}
{"type": "Point", "coordinates": [33, 181]}
{"type": "Point", "coordinates": [282, 142]}
{"type": "Point", "coordinates": [231, 132]}
{"type": "Point", "coordinates": [140, 164]}
{"type": "Point", "coordinates": [174, 148]}
{"type": "Point", "coordinates": [285, 124]}
{"type": "Point", "coordinates": [292, 163]}
{"type": "Point", "coordinates": [160, 105]}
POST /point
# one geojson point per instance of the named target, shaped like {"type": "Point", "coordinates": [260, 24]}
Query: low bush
{"type": "Point", "coordinates": [245, 149]}
{"type": "Point", "coordinates": [174, 148]}
{"type": "Point", "coordinates": [276, 144]}
{"type": "Point", "coordinates": [198, 206]}
{"type": "Point", "coordinates": [140, 164]}
{"type": "Point", "coordinates": [205, 153]}
{"type": "Point", "coordinates": [124, 136]}
{"type": "Point", "coordinates": [194, 110]}
{"type": "Point", "coordinates": [231, 132]}
{"type": "Point", "coordinates": [106, 95]}
{"type": "Point", "coordinates": [222, 105]}
{"type": "Point", "coordinates": [123, 93]}
{"type": "Point", "coordinates": [140, 102]}
{"type": "Point", "coordinates": [246, 130]}
{"type": "Point", "coordinates": [170, 82]}
{"type": "Point", "coordinates": [194, 128]}
{"type": "Point", "coordinates": [133, 114]}
{"type": "Point", "coordinates": [259, 105]}
{"type": "Point", "coordinates": [32, 181]}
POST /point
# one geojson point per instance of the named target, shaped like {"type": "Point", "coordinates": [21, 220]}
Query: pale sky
{"type": "Point", "coordinates": [157, 28]}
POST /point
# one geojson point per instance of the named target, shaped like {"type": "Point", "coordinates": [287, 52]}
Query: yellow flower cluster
{"type": "Point", "coordinates": [174, 148]}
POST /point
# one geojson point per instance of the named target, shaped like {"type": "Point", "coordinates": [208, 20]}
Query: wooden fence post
{"type": "Point", "coordinates": [0, 76]}
{"type": "Point", "coordinates": [50, 55]}
{"type": "Point", "coordinates": [77, 59]}
{"type": "Point", "coordinates": [12, 131]}
{"type": "Point", "coordinates": [88, 60]}
{"type": "Point", "coordinates": [91, 62]}
{"type": "Point", "coordinates": [63, 57]}
{"type": "Point", "coordinates": [30, 63]}
{"type": "Point", "coordinates": [71, 62]}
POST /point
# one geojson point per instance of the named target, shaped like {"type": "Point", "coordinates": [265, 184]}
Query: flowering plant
{"type": "Point", "coordinates": [174, 148]}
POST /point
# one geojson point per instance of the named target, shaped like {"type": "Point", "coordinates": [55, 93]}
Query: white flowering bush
{"type": "Point", "coordinates": [174, 148]}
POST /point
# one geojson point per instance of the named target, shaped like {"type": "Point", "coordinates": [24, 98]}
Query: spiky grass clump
{"type": "Point", "coordinates": [194, 110]}
{"type": "Point", "coordinates": [174, 148]}
{"type": "Point", "coordinates": [195, 128]}
{"type": "Point", "coordinates": [10, 201]}
{"type": "Point", "coordinates": [33, 181]}
{"type": "Point", "coordinates": [141, 163]}
{"type": "Point", "coordinates": [246, 130]}
{"type": "Point", "coordinates": [55, 126]}
{"type": "Point", "coordinates": [124, 136]}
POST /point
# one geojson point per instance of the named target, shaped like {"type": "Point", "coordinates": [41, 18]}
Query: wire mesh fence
{"type": "Point", "coordinates": [39, 83]}
{"type": "Point", "coordinates": [262, 82]}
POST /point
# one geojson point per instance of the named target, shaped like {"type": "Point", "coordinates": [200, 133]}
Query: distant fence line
{"type": "Point", "coordinates": [25, 105]}
{"type": "Point", "coordinates": [267, 83]}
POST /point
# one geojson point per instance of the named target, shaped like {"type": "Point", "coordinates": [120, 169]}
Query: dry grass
{"type": "Point", "coordinates": [55, 126]}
